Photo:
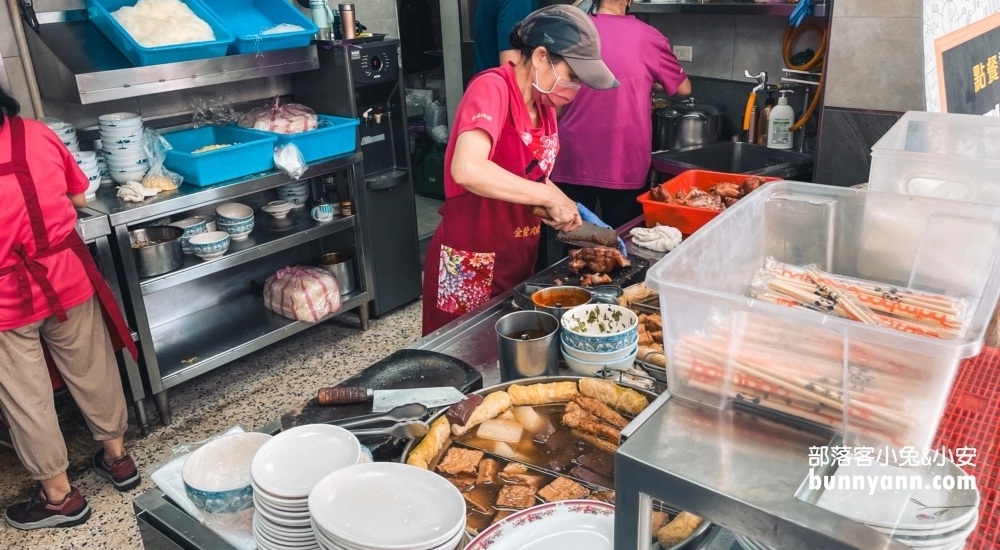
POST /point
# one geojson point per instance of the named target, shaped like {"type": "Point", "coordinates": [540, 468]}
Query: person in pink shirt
{"type": "Point", "coordinates": [606, 137]}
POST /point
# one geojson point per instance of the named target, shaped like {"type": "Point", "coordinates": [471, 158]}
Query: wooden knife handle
{"type": "Point", "coordinates": [541, 212]}
{"type": "Point", "coordinates": [341, 396]}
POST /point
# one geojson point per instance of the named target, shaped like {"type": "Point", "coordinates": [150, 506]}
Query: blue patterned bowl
{"type": "Point", "coordinates": [600, 328]}
{"type": "Point", "coordinates": [210, 244]}
{"type": "Point", "coordinates": [233, 212]}
{"type": "Point", "coordinates": [217, 475]}
{"type": "Point", "coordinates": [237, 230]}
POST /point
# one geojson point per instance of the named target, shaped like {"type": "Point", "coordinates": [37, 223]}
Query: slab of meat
{"type": "Point", "coordinates": [596, 260]}
{"type": "Point", "coordinates": [464, 482]}
{"type": "Point", "coordinates": [600, 410]}
{"type": "Point", "coordinates": [563, 488]}
{"type": "Point", "coordinates": [699, 199]}
{"type": "Point", "coordinates": [595, 279]}
{"type": "Point", "coordinates": [585, 422]}
{"type": "Point", "coordinates": [517, 497]}
{"type": "Point", "coordinates": [590, 476]}
{"type": "Point", "coordinates": [479, 501]}
{"type": "Point", "coordinates": [460, 461]}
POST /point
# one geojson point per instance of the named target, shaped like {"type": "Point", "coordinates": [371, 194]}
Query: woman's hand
{"type": "Point", "coordinates": [563, 211]}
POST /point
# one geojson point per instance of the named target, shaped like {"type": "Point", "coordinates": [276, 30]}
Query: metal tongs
{"type": "Point", "coordinates": [405, 418]}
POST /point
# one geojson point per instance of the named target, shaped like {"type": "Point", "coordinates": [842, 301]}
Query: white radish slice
{"type": "Point", "coordinates": [530, 419]}
{"type": "Point", "coordinates": [500, 430]}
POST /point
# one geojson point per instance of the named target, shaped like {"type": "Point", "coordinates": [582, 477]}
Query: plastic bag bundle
{"type": "Point", "coordinates": [213, 109]}
{"type": "Point", "coordinates": [158, 177]}
{"type": "Point", "coordinates": [288, 158]}
{"type": "Point", "coordinates": [290, 118]}
{"type": "Point", "coordinates": [302, 293]}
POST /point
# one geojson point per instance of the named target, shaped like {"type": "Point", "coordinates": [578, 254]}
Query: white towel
{"type": "Point", "coordinates": [661, 238]}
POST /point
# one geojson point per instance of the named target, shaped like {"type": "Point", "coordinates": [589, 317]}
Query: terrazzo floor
{"type": "Point", "coordinates": [251, 391]}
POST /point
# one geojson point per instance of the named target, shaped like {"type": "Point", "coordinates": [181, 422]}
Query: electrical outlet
{"type": "Point", "coordinates": [684, 53]}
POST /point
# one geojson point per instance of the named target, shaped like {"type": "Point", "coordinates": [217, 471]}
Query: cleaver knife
{"type": "Point", "coordinates": [386, 400]}
{"type": "Point", "coordinates": [587, 235]}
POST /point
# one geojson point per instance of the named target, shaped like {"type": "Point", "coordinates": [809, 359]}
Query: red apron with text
{"type": "Point", "coordinates": [27, 268]}
{"type": "Point", "coordinates": [483, 246]}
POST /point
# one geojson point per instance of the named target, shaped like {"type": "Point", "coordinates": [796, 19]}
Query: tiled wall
{"type": "Point", "coordinates": [726, 45]}
{"type": "Point", "coordinates": [16, 83]}
{"type": "Point", "coordinates": [889, 31]}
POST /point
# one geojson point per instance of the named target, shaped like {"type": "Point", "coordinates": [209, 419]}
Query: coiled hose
{"type": "Point", "coordinates": [792, 36]}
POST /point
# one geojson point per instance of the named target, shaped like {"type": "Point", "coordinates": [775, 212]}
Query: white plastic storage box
{"type": "Point", "coordinates": [940, 155]}
{"type": "Point", "coordinates": [888, 387]}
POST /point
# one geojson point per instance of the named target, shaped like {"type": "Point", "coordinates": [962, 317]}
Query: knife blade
{"type": "Point", "coordinates": [587, 235]}
{"type": "Point", "coordinates": [386, 400]}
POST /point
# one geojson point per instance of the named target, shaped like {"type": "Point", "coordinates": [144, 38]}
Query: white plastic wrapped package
{"type": "Point", "coordinates": [288, 158]}
{"type": "Point", "coordinates": [290, 118]}
{"type": "Point", "coordinates": [302, 293]}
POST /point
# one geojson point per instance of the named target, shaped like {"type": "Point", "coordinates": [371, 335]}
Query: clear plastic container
{"type": "Point", "coordinates": [886, 388]}
{"type": "Point", "coordinates": [940, 155]}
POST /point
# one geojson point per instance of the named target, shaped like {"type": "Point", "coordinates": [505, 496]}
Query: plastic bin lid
{"type": "Point", "coordinates": [969, 137]}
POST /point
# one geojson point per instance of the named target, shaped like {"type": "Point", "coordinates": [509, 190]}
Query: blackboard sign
{"type": "Point", "coordinates": [969, 68]}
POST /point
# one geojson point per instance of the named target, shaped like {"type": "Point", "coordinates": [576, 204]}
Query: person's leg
{"type": "Point", "coordinates": [619, 206]}
{"type": "Point", "coordinates": [27, 404]}
{"type": "Point", "coordinates": [81, 350]}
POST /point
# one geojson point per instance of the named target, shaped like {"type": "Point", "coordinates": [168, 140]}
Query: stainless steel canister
{"type": "Point", "coordinates": [341, 266]}
{"type": "Point", "coordinates": [528, 345]}
{"type": "Point", "coordinates": [161, 257]}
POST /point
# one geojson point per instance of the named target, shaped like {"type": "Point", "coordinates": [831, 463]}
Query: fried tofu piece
{"type": "Point", "coordinates": [645, 338]}
{"type": "Point", "coordinates": [515, 468]}
{"type": "Point", "coordinates": [488, 470]}
{"type": "Point", "coordinates": [600, 410]}
{"type": "Point", "coordinates": [581, 420]}
{"type": "Point", "coordinates": [517, 497]}
{"type": "Point", "coordinates": [597, 442]}
{"type": "Point", "coordinates": [460, 461]}
{"type": "Point", "coordinates": [604, 496]}
{"type": "Point", "coordinates": [531, 479]}
{"type": "Point", "coordinates": [659, 520]}
{"type": "Point", "coordinates": [479, 501]}
{"type": "Point", "coordinates": [464, 482]}
{"type": "Point", "coordinates": [563, 488]}
{"type": "Point", "coordinates": [678, 529]}
{"type": "Point", "coordinates": [654, 323]}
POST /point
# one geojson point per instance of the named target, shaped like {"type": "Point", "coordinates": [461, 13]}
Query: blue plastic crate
{"type": "Point", "coordinates": [254, 153]}
{"type": "Point", "coordinates": [99, 12]}
{"type": "Point", "coordinates": [246, 19]}
{"type": "Point", "coordinates": [335, 136]}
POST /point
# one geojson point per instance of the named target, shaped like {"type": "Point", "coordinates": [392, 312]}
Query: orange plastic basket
{"type": "Point", "coordinates": [687, 219]}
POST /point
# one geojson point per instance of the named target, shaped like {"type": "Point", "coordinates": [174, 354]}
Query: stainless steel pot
{"type": "Point", "coordinates": [686, 124]}
{"type": "Point", "coordinates": [163, 256]}
{"type": "Point", "coordinates": [341, 266]}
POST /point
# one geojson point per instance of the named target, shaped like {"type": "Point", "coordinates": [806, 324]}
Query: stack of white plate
{"type": "Point", "coordinates": [282, 474]}
{"type": "Point", "coordinates": [122, 143]}
{"type": "Point", "coordinates": [87, 161]}
{"type": "Point", "coordinates": [921, 515]}
{"type": "Point", "coordinates": [386, 505]}
{"type": "Point", "coordinates": [296, 193]}
{"type": "Point", "coordinates": [65, 131]}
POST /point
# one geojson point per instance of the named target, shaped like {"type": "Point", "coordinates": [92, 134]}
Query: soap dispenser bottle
{"type": "Point", "coordinates": [779, 123]}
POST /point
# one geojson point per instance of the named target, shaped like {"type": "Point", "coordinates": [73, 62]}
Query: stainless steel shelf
{"type": "Point", "coordinates": [91, 224]}
{"type": "Point", "coordinates": [189, 196]}
{"type": "Point", "coordinates": [710, 7]}
{"type": "Point", "coordinates": [197, 343]}
{"type": "Point", "coordinates": [269, 236]}
{"type": "Point", "coordinates": [75, 62]}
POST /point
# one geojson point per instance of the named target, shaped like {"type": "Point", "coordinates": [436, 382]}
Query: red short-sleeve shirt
{"type": "Point", "coordinates": [55, 175]}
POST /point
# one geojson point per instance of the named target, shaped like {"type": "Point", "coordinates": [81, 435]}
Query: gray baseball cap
{"type": "Point", "coordinates": [568, 32]}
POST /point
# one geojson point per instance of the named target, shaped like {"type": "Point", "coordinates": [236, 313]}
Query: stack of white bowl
{"type": "Point", "coordinates": [65, 131]}
{"type": "Point", "coordinates": [87, 161]}
{"type": "Point", "coordinates": [387, 505]}
{"type": "Point", "coordinates": [599, 336]}
{"type": "Point", "coordinates": [123, 145]}
{"type": "Point", "coordinates": [296, 193]}
{"type": "Point", "coordinates": [102, 165]}
{"type": "Point", "coordinates": [283, 473]}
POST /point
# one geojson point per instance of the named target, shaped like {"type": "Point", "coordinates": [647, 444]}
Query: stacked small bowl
{"type": "Point", "coordinates": [65, 131]}
{"type": "Point", "coordinates": [123, 146]}
{"type": "Point", "coordinates": [599, 336]}
{"type": "Point", "coordinates": [387, 505]}
{"type": "Point", "coordinates": [236, 219]}
{"type": "Point", "coordinates": [217, 475]}
{"type": "Point", "coordinates": [87, 161]}
{"type": "Point", "coordinates": [284, 472]}
{"type": "Point", "coordinates": [296, 193]}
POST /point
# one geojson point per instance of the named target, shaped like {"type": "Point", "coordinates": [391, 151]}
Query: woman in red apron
{"type": "Point", "coordinates": [51, 290]}
{"type": "Point", "coordinates": [502, 147]}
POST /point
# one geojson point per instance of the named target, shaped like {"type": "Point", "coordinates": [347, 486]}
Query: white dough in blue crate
{"type": "Point", "coordinates": [154, 23]}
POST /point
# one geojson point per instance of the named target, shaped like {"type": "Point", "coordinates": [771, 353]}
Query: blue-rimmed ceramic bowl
{"type": "Point", "coordinates": [191, 227]}
{"type": "Point", "coordinates": [233, 212]}
{"type": "Point", "coordinates": [600, 328]}
{"type": "Point", "coordinates": [217, 475]}
{"type": "Point", "coordinates": [238, 231]}
{"type": "Point", "coordinates": [210, 245]}
{"type": "Point", "coordinates": [593, 368]}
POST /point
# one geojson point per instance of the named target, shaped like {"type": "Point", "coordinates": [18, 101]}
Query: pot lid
{"type": "Point", "coordinates": [690, 107]}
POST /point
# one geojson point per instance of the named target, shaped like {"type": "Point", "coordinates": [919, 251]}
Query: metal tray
{"type": "Point", "coordinates": [691, 543]}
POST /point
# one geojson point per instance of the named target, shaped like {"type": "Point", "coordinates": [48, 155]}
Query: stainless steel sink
{"type": "Point", "coordinates": [738, 158]}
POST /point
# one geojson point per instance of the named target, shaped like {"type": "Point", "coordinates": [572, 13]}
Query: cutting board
{"type": "Point", "coordinates": [404, 369]}
{"type": "Point", "coordinates": [622, 277]}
